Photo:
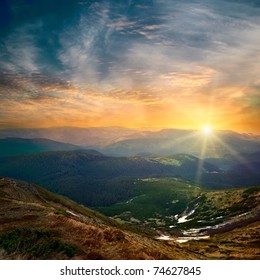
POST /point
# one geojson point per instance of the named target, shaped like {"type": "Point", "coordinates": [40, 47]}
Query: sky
{"type": "Point", "coordinates": [161, 63]}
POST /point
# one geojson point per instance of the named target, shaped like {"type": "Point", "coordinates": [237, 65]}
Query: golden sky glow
{"type": "Point", "coordinates": [187, 106]}
{"type": "Point", "coordinates": [182, 66]}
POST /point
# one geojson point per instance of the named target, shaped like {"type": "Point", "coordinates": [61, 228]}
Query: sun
{"type": "Point", "coordinates": [207, 130]}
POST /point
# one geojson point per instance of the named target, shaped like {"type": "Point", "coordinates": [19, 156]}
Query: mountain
{"type": "Point", "coordinates": [172, 141]}
{"type": "Point", "coordinates": [20, 146]}
{"type": "Point", "coordinates": [240, 169]}
{"type": "Point", "coordinates": [37, 224]}
{"type": "Point", "coordinates": [88, 137]}
{"type": "Point", "coordinates": [95, 179]}
{"type": "Point", "coordinates": [119, 141]}
{"type": "Point", "coordinates": [228, 161]}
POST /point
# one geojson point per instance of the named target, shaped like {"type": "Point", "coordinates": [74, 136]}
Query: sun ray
{"type": "Point", "coordinates": [203, 154]}
{"type": "Point", "coordinates": [181, 139]}
{"type": "Point", "coordinates": [201, 160]}
{"type": "Point", "coordinates": [233, 153]}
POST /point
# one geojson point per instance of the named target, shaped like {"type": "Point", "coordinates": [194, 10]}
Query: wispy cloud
{"type": "Point", "coordinates": [78, 53]}
{"type": "Point", "coordinates": [198, 77]}
{"type": "Point", "coordinates": [109, 58]}
{"type": "Point", "coordinates": [121, 24]}
{"type": "Point", "coordinates": [21, 51]}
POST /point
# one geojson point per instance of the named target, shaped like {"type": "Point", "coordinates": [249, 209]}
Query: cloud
{"type": "Point", "coordinates": [121, 24]}
{"type": "Point", "coordinates": [21, 51]}
{"type": "Point", "coordinates": [144, 97]}
{"type": "Point", "coordinates": [152, 27]}
{"type": "Point", "coordinates": [102, 57]}
{"type": "Point", "coordinates": [200, 76]}
{"type": "Point", "coordinates": [78, 55]}
{"type": "Point", "coordinates": [30, 89]}
{"type": "Point", "coordinates": [199, 35]}
{"type": "Point", "coordinates": [236, 58]}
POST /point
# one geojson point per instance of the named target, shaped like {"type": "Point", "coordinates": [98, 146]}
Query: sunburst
{"type": "Point", "coordinates": [207, 130]}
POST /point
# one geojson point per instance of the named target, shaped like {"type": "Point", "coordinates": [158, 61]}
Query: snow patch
{"type": "Point", "coordinates": [164, 237]}
{"type": "Point", "coordinates": [186, 239]}
{"type": "Point", "coordinates": [184, 219]}
{"type": "Point", "coordinates": [71, 213]}
{"type": "Point", "coordinates": [182, 239]}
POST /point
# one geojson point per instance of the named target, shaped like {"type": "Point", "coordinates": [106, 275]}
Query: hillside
{"type": "Point", "coordinates": [217, 224]}
{"type": "Point", "coordinates": [37, 224]}
{"type": "Point", "coordinates": [21, 146]}
{"type": "Point", "coordinates": [95, 179]}
{"type": "Point", "coordinates": [174, 205]}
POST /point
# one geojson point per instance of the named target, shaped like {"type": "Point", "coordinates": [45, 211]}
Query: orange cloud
{"type": "Point", "coordinates": [201, 77]}
{"type": "Point", "coordinates": [187, 103]}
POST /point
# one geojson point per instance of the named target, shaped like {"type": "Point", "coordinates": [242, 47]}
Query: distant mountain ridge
{"type": "Point", "coordinates": [119, 141]}
{"type": "Point", "coordinates": [229, 160]}
{"type": "Point", "coordinates": [20, 146]}
{"type": "Point", "coordinates": [88, 137]}
{"type": "Point", "coordinates": [172, 141]}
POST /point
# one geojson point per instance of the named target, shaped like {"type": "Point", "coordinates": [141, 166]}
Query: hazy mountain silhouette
{"type": "Point", "coordinates": [20, 146]}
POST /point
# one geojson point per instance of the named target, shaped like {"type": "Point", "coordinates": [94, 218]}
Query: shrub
{"type": "Point", "coordinates": [35, 244]}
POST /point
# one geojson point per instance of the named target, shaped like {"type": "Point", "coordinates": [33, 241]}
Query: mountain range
{"type": "Point", "coordinates": [37, 224]}
{"type": "Point", "coordinates": [176, 191]}
{"type": "Point", "coordinates": [118, 141]}
{"type": "Point", "coordinates": [19, 146]}
{"type": "Point", "coordinates": [88, 137]}
{"type": "Point", "coordinates": [171, 141]}
{"type": "Point", "coordinates": [94, 179]}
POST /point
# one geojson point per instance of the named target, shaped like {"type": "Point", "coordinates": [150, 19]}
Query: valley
{"type": "Point", "coordinates": [164, 206]}
{"type": "Point", "coordinates": [129, 130]}
{"type": "Point", "coordinates": [182, 209]}
{"type": "Point", "coordinates": [37, 224]}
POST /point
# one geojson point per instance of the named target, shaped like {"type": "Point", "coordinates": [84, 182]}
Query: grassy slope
{"type": "Point", "coordinates": [159, 200]}
{"type": "Point", "coordinates": [96, 180]}
{"type": "Point", "coordinates": [239, 243]}
{"type": "Point", "coordinates": [156, 198]}
{"type": "Point", "coordinates": [36, 224]}
{"type": "Point", "coordinates": [232, 215]}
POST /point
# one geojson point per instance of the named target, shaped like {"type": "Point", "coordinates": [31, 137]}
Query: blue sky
{"type": "Point", "coordinates": [93, 62]}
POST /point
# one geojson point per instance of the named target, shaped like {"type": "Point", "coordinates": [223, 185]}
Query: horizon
{"type": "Point", "coordinates": [210, 134]}
{"type": "Point", "coordinates": [153, 64]}
{"type": "Point", "coordinates": [148, 129]}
